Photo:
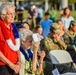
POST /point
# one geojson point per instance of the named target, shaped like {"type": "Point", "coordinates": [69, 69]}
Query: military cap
{"type": "Point", "coordinates": [55, 28]}
{"type": "Point", "coordinates": [73, 23]}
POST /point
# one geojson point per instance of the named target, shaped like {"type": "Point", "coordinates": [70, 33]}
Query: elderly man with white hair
{"type": "Point", "coordinates": [9, 41]}
{"type": "Point", "coordinates": [28, 57]}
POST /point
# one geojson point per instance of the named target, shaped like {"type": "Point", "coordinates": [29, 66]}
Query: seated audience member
{"type": "Point", "coordinates": [26, 25]}
{"type": "Point", "coordinates": [62, 28]}
{"type": "Point", "coordinates": [51, 42]}
{"type": "Point", "coordinates": [20, 26]}
{"type": "Point", "coordinates": [38, 29]}
{"type": "Point", "coordinates": [69, 39]}
{"type": "Point", "coordinates": [29, 58]}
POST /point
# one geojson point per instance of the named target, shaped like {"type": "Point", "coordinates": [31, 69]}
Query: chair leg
{"type": "Point", "coordinates": [54, 66]}
{"type": "Point", "coordinates": [74, 65]}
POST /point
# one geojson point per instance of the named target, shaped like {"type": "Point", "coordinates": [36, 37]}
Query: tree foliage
{"type": "Point", "coordinates": [57, 1]}
{"type": "Point", "coordinates": [53, 1]}
{"type": "Point", "coordinates": [72, 1]}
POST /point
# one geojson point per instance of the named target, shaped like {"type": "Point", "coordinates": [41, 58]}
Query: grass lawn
{"type": "Point", "coordinates": [73, 13]}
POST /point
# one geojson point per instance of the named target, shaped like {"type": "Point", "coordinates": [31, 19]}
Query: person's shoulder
{"type": "Point", "coordinates": [42, 21]}
{"type": "Point", "coordinates": [67, 34]}
{"type": "Point", "coordinates": [71, 17]}
{"type": "Point", "coordinates": [48, 38]}
{"type": "Point", "coordinates": [50, 20]}
{"type": "Point", "coordinates": [46, 41]}
{"type": "Point", "coordinates": [62, 17]}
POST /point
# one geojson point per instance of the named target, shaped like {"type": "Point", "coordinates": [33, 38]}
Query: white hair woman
{"type": "Point", "coordinates": [9, 41]}
{"type": "Point", "coordinates": [29, 58]}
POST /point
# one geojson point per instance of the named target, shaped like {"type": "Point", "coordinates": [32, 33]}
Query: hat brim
{"type": "Point", "coordinates": [58, 31]}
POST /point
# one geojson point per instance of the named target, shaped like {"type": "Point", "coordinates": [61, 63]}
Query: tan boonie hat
{"type": "Point", "coordinates": [73, 23]}
{"type": "Point", "coordinates": [55, 28]}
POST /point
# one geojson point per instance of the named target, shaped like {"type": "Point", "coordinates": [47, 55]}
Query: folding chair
{"type": "Point", "coordinates": [61, 57]}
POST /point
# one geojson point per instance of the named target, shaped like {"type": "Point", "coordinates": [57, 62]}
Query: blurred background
{"type": "Point", "coordinates": [46, 4]}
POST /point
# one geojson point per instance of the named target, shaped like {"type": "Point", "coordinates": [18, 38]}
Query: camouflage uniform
{"type": "Point", "coordinates": [69, 39]}
{"type": "Point", "coordinates": [49, 43]}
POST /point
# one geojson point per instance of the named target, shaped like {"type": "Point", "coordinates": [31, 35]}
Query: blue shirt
{"type": "Point", "coordinates": [40, 12]}
{"type": "Point", "coordinates": [66, 21]}
{"type": "Point", "coordinates": [46, 24]}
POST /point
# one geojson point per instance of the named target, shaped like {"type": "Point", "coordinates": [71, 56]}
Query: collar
{"type": "Point", "coordinates": [72, 33]}
{"type": "Point", "coordinates": [27, 54]}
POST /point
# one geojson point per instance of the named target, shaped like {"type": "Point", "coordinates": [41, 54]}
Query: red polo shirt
{"type": "Point", "coordinates": [4, 48]}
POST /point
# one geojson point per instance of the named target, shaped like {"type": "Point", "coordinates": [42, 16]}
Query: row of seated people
{"type": "Point", "coordinates": [57, 40]}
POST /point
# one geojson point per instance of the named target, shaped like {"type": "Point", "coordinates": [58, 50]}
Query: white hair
{"type": "Point", "coordinates": [24, 33]}
{"type": "Point", "coordinates": [4, 7]}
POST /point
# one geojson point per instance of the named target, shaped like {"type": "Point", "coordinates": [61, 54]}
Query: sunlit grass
{"type": "Point", "coordinates": [73, 13]}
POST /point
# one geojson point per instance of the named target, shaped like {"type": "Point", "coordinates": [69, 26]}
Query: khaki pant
{"type": "Point", "coordinates": [32, 23]}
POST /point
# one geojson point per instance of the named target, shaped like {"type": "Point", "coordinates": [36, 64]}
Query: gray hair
{"type": "Point", "coordinates": [4, 7]}
{"type": "Point", "coordinates": [24, 33]}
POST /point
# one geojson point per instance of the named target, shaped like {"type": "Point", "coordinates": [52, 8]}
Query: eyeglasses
{"type": "Point", "coordinates": [10, 14]}
{"type": "Point", "coordinates": [30, 41]}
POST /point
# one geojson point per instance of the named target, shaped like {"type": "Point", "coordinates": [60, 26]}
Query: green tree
{"type": "Point", "coordinates": [71, 1]}
{"type": "Point", "coordinates": [53, 1]}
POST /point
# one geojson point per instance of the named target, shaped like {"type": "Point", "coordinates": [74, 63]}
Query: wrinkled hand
{"type": "Point", "coordinates": [16, 67]}
{"type": "Point", "coordinates": [36, 44]}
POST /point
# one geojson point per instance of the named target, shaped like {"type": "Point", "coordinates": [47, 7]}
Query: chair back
{"type": "Point", "coordinates": [60, 57]}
